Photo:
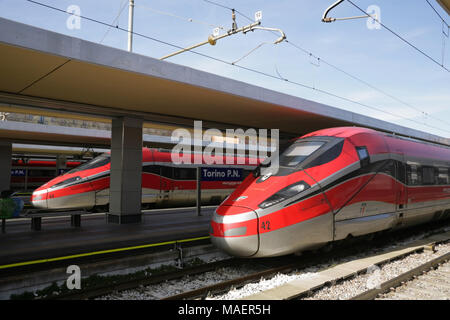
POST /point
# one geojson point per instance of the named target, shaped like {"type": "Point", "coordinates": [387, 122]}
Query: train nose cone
{"type": "Point", "coordinates": [235, 230]}
{"type": "Point", "coordinates": [39, 199]}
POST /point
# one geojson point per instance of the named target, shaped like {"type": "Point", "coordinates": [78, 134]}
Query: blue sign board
{"type": "Point", "coordinates": [221, 174]}
{"type": "Point", "coordinates": [18, 172]}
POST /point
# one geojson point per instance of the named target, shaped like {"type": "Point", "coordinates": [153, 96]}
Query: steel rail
{"type": "Point", "coordinates": [222, 286]}
{"type": "Point", "coordinates": [104, 289]}
{"type": "Point", "coordinates": [399, 280]}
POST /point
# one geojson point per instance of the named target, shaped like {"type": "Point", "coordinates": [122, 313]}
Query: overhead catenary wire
{"type": "Point", "coordinates": [438, 14]}
{"type": "Point", "coordinates": [238, 66]}
{"type": "Point", "coordinates": [250, 52]}
{"type": "Point", "coordinates": [123, 5]}
{"type": "Point", "coordinates": [179, 17]}
{"type": "Point", "coordinates": [403, 39]}
{"type": "Point", "coordinates": [445, 34]}
{"type": "Point", "coordinates": [310, 54]}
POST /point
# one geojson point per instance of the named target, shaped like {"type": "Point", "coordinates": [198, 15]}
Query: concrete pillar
{"type": "Point", "coordinates": [126, 168]}
{"type": "Point", "coordinates": [5, 165]}
{"type": "Point", "coordinates": [61, 163]}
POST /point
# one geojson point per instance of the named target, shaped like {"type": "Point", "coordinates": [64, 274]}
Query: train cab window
{"type": "Point", "coordinates": [94, 163]}
{"type": "Point", "coordinates": [298, 152]}
{"type": "Point", "coordinates": [184, 173]}
{"type": "Point", "coordinates": [428, 175]}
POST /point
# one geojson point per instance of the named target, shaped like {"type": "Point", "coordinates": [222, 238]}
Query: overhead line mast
{"type": "Point", "coordinates": [130, 25]}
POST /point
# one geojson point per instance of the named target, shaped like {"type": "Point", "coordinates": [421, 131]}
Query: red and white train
{"type": "Point", "coordinates": [163, 182]}
{"type": "Point", "coordinates": [332, 184]}
{"type": "Point", "coordinates": [31, 174]}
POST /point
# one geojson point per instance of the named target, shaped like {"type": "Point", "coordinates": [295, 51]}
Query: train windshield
{"type": "Point", "coordinates": [298, 152]}
{"type": "Point", "coordinates": [94, 163]}
{"type": "Point", "coordinates": [302, 154]}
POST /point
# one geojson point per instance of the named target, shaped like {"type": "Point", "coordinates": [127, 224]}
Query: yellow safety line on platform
{"type": "Point", "coordinates": [19, 264]}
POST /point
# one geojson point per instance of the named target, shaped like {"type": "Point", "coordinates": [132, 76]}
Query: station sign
{"type": "Point", "coordinates": [221, 174]}
{"type": "Point", "coordinates": [18, 172]}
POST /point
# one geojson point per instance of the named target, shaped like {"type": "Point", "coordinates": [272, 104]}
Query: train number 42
{"type": "Point", "coordinates": [265, 225]}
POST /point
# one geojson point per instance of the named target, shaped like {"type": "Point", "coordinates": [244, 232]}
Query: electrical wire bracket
{"type": "Point", "coordinates": [212, 39]}
{"type": "Point", "coordinates": [334, 5]}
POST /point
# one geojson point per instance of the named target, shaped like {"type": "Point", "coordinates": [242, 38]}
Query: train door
{"type": "Point", "coordinates": [184, 188]}
{"type": "Point", "coordinates": [166, 184]}
{"type": "Point", "coordinates": [401, 189]}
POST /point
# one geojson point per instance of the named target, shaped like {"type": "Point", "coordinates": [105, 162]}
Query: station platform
{"type": "Point", "coordinates": [58, 240]}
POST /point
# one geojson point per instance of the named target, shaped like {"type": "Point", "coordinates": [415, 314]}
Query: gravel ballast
{"type": "Point", "coordinates": [343, 290]}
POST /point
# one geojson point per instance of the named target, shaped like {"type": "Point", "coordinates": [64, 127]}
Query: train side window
{"type": "Point", "coordinates": [151, 169]}
{"type": "Point", "coordinates": [363, 155]}
{"type": "Point", "coordinates": [443, 176]}
{"type": "Point", "coordinates": [389, 168]}
{"type": "Point", "coordinates": [184, 173]}
{"type": "Point", "coordinates": [167, 172]}
{"type": "Point", "coordinates": [428, 176]}
{"type": "Point", "coordinates": [401, 172]}
{"type": "Point", "coordinates": [414, 174]}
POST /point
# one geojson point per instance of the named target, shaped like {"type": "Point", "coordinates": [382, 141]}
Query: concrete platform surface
{"type": "Point", "coordinates": [57, 237]}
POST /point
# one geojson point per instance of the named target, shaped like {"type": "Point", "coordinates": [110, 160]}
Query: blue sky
{"type": "Point", "coordinates": [375, 56]}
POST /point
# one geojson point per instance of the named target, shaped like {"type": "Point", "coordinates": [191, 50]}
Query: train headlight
{"type": "Point", "coordinates": [284, 194]}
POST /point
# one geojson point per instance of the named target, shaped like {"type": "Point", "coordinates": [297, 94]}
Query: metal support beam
{"type": "Point", "coordinates": [334, 5]}
{"type": "Point", "coordinates": [130, 25]}
{"type": "Point", "coordinates": [199, 191]}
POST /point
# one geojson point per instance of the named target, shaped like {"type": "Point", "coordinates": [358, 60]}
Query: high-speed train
{"type": "Point", "coordinates": [333, 184]}
{"type": "Point", "coordinates": [163, 182]}
{"type": "Point", "coordinates": [31, 174]}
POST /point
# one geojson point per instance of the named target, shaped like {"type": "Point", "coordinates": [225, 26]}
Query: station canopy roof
{"type": "Point", "coordinates": [445, 4]}
{"type": "Point", "coordinates": [44, 69]}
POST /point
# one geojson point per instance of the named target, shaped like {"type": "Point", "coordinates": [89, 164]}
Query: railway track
{"type": "Point", "coordinates": [283, 265]}
{"type": "Point", "coordinates": [390, 279]}
{"type": "Point", "coordinates": [431, 284]}
{"type": "Point", "coordinates": [255, 269]}
{"type": "Point", "coordinates": [204, 292]}
{"type": "Point", "coordinates": [98, 291]}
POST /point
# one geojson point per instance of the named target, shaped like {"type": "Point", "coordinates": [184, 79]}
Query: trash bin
{"type": "Point", "coordinates": [9, 208]}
